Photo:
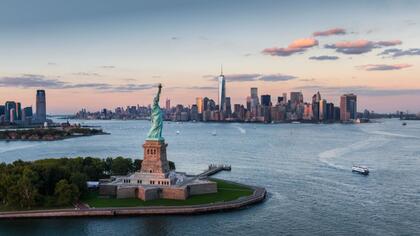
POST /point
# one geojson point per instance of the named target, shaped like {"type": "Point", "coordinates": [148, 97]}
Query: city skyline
{"type": "Point", "coordinates": [115, 54]}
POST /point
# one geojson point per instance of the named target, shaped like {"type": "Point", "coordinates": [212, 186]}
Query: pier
{"type": "Point", "coordinates": [214, 169]}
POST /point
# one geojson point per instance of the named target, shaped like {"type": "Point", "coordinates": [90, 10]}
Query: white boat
{"type": "Point", "coordinates": [360, 169]}
{"type": "Point", "coordinates": [214, 133]}
{"type": "Point", "coordinates": [177, 132]}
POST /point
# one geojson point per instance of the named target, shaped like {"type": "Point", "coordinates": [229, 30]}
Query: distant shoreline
{"type": "Point", "coordinates": [231, 122]}
{"type": "Point", "coordinates": [47, 134]}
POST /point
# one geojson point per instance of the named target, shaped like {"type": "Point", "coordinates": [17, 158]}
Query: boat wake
{"type": "Point", "coordinates": [393, 134]}
{"type": "Point", "coordinates": [13, 147]}
{"type": "Point", "coordinates": [328, 156]}
{"type": "Point", "coordinates": [241, 130]}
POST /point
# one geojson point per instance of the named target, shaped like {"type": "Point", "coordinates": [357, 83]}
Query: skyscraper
{"type": "Point", "coordinates": [18, 111]}
{"type": "Point", "coordinates": [12, 115]}
{"type": "Point", "coordinates": [316, 98]}
{"type": "Point", "coordinates": [330, 111]}
{"type": "Point", "coordinates": [41, 106]}
{"type": "Point", "coordinates": [348, 107]}
{"type": "Point", "coordinates": [228, 109]}
{"type": "Point", "coordinates": [222, 92]}
{"type": "Point", "coordinates": [248, 103]}
{"type": "Point", "coordinates": [200, 105]}
{"type": "Point", "coordinates": [296, 97]}
{"type": "Point", "coordinates": [168, 104]}
{"type": "Point", "coordinates": [266, 100]}
{"type": "Point", "coordinates": [205, 103]}
{"type": "Point", "coordinates": [322, 110]}
{"type": "Point", "coordinates": [2, 110]}
{"type": "Point", "coordinates": [254, 92]}
{"type": "Point", "coordinates": [27, 115]}
{"type": "Point", "coordinates": [8, 107]}
{"type": "Point", "coordinates": [254, 101]}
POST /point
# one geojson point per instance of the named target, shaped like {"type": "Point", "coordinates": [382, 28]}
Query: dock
{"type": "Point", "coordinates": [214, 169]}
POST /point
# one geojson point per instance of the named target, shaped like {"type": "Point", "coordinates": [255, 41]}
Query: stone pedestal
{"type": "Point", "coordinates": [154, 161]}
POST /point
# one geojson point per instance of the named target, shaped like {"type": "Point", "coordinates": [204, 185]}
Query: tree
{"type": "Point", "coordinates": [23, 192]}
{"type": "Point", "coordinates": [79, 179]}
{"type": "Point", "coordinates": [137, 164]}
{"type": "Point", "coordinates": [121, 166]}
{"type": "Point", "coordinates": [65, 193]}
{"type": "Point", "coordinates": [27, 192]}
{"type": "Point", "coordinates": [5, 182]}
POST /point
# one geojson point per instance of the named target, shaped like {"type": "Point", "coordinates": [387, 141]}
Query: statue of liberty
{"type": "Point", "coordinates": [155, 132]}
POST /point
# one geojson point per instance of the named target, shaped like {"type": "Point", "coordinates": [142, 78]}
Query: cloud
{"type": "Point", "coordinates": [360, 90]}
{"type": "Point", "coordinates": [86, 74]}
{"type": "Point", "coordinates": [40, 81]}
{"type": "Point", "coordinates": [30, 81]}
{"type": "Point", "coordinates": [130, 87]}
{"type": "Point", "coordinates": [307, 80]}
{"type": "Point", "coordinates": [235, 77]}
{"type": "Point", "coordinates": [304, 43]}
{"type": "Point", "coordinates": [52, 63]}
{"type": "Point", "coordinates": [107, 67]}
{"type": "Point", "coordinates": [395, 52]}
{"type": "Point", "coordinates": [282, 52]}
{"type": "Point", "coordinates": [297, 46]}
{"type": "Point", "coordinates": [196, 87]}
{"type": "Point", "coordinates": [202, 87]}
{"type": "Point", "coordinates": [381, 67]}
{"type": "Point", "coordinates": [333, 31]}
{"type": "Point", "coordinates": [324, 58]}
{"type": "Point", "coordinates": [242, 77]}
{"type": "Point", "coordinates": [389, 43]}
{"type": "Point", "coordinates": [360, 46]}
{"type": "Point", "coordinates": [277, 77]}
{"type": "Point", "coordinates": [254, 77]}
{"type": "Point", "coordinates": [174, 38]}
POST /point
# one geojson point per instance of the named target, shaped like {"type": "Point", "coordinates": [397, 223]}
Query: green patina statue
{"type": "Point", "coordinates": [155, 132]}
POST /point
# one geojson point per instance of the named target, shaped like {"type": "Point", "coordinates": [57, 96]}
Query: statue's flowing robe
{"type": "Point", "coordinates": [155, 132]}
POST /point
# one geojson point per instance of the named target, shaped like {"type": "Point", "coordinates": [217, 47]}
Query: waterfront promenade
{"type": "Point", "coordinates": [258, 195]}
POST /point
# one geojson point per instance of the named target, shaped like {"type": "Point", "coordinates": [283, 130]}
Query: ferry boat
{"type": "Point", "coordinates": [360, 169]}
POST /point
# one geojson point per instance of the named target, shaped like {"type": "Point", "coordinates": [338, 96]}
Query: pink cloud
{"type": "Point", "coordinates": [298, 45]}
{"type": "Point", "coordinates": [333, 31]}
{"type": "Point", "coordinates": [382, 67]}
{"type": "Point", "coordinates": [353, 44]}
{"type": "Point", "coordinates": [304, 43]}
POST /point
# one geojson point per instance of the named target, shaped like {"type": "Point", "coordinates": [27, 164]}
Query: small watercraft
{"type": "Point", "coordinates": [404, 124]}
{"type": "Point", "coordinates": [177, 132]}
{"type": "Point", "coordinates": [360, 169]}
{"type": "Point", "coordinates": [214, 133]}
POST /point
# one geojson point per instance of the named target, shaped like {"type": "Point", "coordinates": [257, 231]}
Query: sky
{"type": "Point", "coordinates": [105, 53]}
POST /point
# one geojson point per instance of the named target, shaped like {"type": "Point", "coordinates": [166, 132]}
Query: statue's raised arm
{"type": "Point", "coordinates": [157, 98]}
{"type": "Point", "coordinates": [155, 132]}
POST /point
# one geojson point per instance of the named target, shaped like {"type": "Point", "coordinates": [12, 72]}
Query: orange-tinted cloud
{"type": "Point", "coordinates": [333, 31]}
{"type": "Point", "coordinates": [297, 46]}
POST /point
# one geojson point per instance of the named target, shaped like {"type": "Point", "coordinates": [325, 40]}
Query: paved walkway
{"type": "Point", "coordinates": [258, 196]}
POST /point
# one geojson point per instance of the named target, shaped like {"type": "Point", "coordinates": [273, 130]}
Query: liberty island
{"type": "Point", "coordinates": [155, 180]}
{"type": "Point", "coordinates": [143, 190]}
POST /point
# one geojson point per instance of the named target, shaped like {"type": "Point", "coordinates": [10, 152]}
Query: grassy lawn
{"type": "Point", "coordinates": [226, 192]}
